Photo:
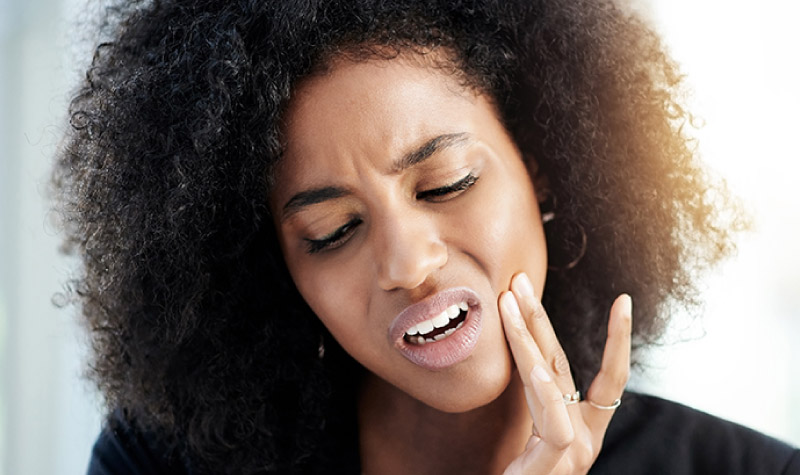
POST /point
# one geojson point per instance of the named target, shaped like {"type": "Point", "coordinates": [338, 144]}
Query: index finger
{"type": "Point", "coordinates": [545, 400]}
{"type": "Point", "coordinates": [527, 353]}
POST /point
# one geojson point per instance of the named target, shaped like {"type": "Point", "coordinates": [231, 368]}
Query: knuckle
{"type": "Point", "coordinates": [520, 331]}
{"type": "Point", "coordinates": [561, 363]}
{"type": "Point", "coordinates": [560, 437]}
{"type": "Point", "coordinates": [616, 378]}
{"type": "Point", "coordinates": [623, 378]}
{"type": "Point", "coordinates": [620, 378]}
{"type": "Point", "coordinates": [554, 397]}
{"type": "Point", "coordinates": [538, 310]}
{"type": "Point", "coordinates": [563, 441]}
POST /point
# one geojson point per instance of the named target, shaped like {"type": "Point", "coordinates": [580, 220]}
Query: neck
{"type": "Point", "coordinates": [399, 434]}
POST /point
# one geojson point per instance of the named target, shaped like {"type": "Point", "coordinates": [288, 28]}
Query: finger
{"type": "Point", "coordinates": [610, 382]}
{"type": "Point", "coordinates": [553, 428]}
{"type": "Point", "coordinates": [542, 330]}
{"type": "Point", "coordinates": [524, 349]}
{"type": "Point", "coordinates": [555, 434]}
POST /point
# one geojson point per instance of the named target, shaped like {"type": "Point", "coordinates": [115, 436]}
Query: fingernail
{"type": "Point", "coordinates": [627, 306]}
{"type": "Point", "coordinates": [509, 302]}
{"type": "Point", "coordinates": [524, 286]}
{"type": "Point", "coordinates": [540, 374]}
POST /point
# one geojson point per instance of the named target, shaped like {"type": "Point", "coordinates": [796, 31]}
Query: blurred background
{"type": "Point", "coordinates": [738, 361]}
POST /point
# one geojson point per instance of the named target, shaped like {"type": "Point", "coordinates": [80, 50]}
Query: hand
{"type": "Point", "coordinates": [565, 439]}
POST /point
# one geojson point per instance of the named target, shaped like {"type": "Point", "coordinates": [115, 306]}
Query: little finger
{"type": "Point", "coordinates": [608, 385]}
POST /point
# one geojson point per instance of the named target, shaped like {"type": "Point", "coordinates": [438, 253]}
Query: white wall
{"type": "Point", "coordinates": [49, 415]}
{"type": "Point", "coordinates": [742, 60]}
{"type": "Point", "coordinates": [741, 360]}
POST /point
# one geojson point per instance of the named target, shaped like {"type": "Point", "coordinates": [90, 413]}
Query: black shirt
{"type": "Point", "coordinates": [647, 435]}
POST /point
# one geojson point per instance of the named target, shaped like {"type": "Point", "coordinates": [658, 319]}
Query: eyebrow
{"type": "Point", "coordinates": [428, 149]}
{"type": "Point", "coordinates": [420, 154]}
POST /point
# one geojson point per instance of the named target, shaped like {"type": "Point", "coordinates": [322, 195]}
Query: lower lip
{"type": "Point", "coordinates": [446, 352]}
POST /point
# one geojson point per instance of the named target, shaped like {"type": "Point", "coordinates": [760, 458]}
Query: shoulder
{"type": "Point", "coordinates": [124, 448]}
{"type": "Point", "coordinates": [655, 436]}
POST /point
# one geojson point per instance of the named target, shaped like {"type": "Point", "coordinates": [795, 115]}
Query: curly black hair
{"type": "Point", "coordinates": [197, 328]}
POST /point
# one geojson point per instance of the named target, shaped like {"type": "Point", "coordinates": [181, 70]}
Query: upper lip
{"type": "Point", "coordinates": [429, 308]}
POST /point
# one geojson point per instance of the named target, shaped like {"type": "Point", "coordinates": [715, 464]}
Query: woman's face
{"type": "Point", "coordinates": [403, 209]}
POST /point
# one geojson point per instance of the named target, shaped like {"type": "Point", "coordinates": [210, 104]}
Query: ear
{"type": "Point", "coordinates": [541, 184]}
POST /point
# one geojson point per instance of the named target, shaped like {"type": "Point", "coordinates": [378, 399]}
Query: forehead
{"type": "Point", "coordinates": [376, 108]}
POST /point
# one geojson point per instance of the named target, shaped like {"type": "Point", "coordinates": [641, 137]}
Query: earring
{"type": "Point", "coordinates": [321, 347]}
{"type": "Point", "coordinates": [568, 234]}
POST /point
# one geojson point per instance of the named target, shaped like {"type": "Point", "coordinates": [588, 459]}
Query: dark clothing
{"type": "Point", "coordinates": [652, 436]}
{"type": "Point", "coordinates": [647, 435]}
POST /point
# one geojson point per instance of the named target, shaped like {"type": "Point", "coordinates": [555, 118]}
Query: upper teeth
{"type": "Point", "coordinates": [438, 321]}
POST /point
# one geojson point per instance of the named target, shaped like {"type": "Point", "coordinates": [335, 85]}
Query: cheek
{"type": "Point", "coordinates": [310, 282]}
{"type": "Point", "coordinates": [525, 242]}
{"type": "Point", "coordinates": [340, 296]}
{"type": "Point", "coordinates": [503, 231]}
{"type": "Point", "coordinates": [335, 295]}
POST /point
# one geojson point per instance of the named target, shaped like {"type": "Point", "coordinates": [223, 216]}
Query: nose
{"type": "Point", "coordinates": [408, 250]}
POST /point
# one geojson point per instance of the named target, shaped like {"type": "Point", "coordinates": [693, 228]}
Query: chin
{"type": "Point", "coordinates": [475, 389]}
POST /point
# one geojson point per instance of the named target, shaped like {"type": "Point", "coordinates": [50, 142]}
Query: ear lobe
{"type": "Point", "coordinates": [541, 184]}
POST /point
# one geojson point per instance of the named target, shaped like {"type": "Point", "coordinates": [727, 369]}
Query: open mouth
{"type": "Point", "coordinates": [439, 327]}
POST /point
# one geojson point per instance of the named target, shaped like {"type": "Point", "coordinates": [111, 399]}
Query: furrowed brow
{"type": "Point", "coordinates": [311, 197]}
{"type": "Point", "coordinates": [428, 149]}
{"type": "Point", "coordinates": [419, 155]}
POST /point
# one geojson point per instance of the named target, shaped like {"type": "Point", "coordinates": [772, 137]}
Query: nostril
{"type": "Point", "coordinates": [408, 270]}
{"type": "Point", "coordinates": [407, 248]}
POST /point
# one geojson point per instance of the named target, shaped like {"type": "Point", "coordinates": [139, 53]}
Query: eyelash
{"type": "Point", "coordinates": [338, 237]}
{"type": "Point", "coordinates": [460, 186]}
{"type": "Point", "coordinates": [332, 240]}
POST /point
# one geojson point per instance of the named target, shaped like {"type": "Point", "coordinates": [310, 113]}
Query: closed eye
{"type": "Point", "coordinates": [450, 191]}
{"type": "Point", "coordinates": [334, 239]}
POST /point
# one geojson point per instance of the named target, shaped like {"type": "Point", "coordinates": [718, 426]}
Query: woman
{"type": "Point", "coordinates": [316, 237]}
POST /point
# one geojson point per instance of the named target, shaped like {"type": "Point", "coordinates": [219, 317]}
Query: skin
{"type": "Point", "coordinates": [347, 131]}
